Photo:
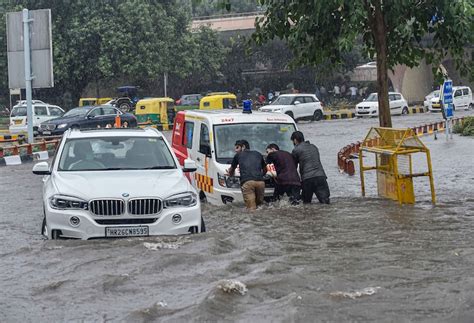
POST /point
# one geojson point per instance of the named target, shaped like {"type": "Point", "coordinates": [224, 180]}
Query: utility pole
{"type": "Point", "coordinates": [28, 76]}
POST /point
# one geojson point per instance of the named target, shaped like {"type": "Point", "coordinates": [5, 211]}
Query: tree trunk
{"type": "Point", "coordinates": [380, 31]}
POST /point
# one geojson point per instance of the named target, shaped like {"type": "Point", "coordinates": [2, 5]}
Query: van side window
{"type": "Point", "coordinates": [391, 97]}
{"type": "Point", "coordinates": [465, 91]}
{"type": "Point", "coordinates": [55, 111]}
{"type": "Point", "coordinates": [398, 97]}
{"type": "Point", "coordinates": [458, 93]}
{"type": "Point", "coordinates": [206, 104]}
{"type": "Point", "coordinates": [204, 142]}
{"type": "Point", "coordinates": [188, 134]}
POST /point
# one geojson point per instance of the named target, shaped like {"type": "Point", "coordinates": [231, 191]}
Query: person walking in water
{"type": "Point", "coordinates": [314, 179]}
{"type": "Point", "coordinates": [287, 180]}
{"type": "Point", "coordinates": [252, 168]}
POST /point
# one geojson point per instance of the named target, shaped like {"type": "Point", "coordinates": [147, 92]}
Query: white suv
{"type": "Point", "coordinates": [41, 112]}
{"type": "Point", "coordinates": [117, 183]}
{"type": "Point", "coordinates": [298, 106]}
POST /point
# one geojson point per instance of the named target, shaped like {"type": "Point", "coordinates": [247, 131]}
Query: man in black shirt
{"type": "Point", "coordinates": [252, 168]}
{"type": "Point", "coordinates": [287, 179]}
{"type": "Point", "coordinates": [311, 169]}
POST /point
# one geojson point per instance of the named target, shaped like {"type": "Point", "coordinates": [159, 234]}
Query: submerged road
{"type": "Point", "coordinates": [358, 259]}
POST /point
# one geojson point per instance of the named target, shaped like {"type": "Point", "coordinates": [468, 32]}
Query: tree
{"type": "Point", "coordinates": [395, 32]}
{"type": "Point", "coordinates": [133, 40]}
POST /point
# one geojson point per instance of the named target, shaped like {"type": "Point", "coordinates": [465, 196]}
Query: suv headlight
{"type": "Point", "coordinates": [63, 202]}
{"type": "Point", "coordinates": [183, 199]}
{"type": "Point", "coordinates": [228, 181]}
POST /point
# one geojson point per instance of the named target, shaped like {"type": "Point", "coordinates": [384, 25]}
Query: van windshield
{"type": "Point", "coordinates": [259, 136]}
{"type": "Point", "coordinates": [19, 112]}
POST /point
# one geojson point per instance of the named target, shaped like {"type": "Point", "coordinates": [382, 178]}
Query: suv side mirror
{"type": "Point", "coordinates": [296, 102]}
{"type": "Point", "coordinates": [189, 166]}
{"type": "Point", "coordinates": [41, 169]}
{"type": "Point", "coordinates": [89, 117]}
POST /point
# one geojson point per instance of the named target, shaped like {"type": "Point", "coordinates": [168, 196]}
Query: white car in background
{"type": "Point", "coordinates": [41, 112]}
{"type": "Point", "coordinates": [298, 106]}
{"type": "Point", "coordinates": [462, 99]}
{"type": "Point", "coordinates": [370, 106]}
{"type": "Point", "coordinates": [427, 102]}
{"type": "Point", "coordinates": [117, 183]}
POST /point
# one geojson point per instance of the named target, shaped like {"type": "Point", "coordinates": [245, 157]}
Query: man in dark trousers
{"type": "Point", "coordinates": [287, 179]}
{"type": "Point", "coordinates": [252, 168]}
{"type": "Point", "coordinates": [311, 169]}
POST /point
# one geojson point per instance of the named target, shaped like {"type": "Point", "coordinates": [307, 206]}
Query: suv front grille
{"type": "Point", "coordinates": [144, 206]}
{"type": "Point", "coordinates": [107, 207]}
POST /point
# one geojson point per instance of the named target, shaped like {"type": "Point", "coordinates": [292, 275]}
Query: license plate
{"type": "Point", "coordinates": [46, 132]}
{"type": "Point", "coordinates": [140, 231]}
{"type": "Point", "coordinates": [17, 121]}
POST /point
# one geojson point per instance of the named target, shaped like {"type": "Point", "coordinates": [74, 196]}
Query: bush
{"type": "Point", "coordinates": [467, 127]}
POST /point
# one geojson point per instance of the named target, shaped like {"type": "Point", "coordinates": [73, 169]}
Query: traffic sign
{"type": "Point", "coordinates": [447, 98]}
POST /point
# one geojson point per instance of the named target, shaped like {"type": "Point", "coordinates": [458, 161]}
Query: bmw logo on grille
{"type": "Point", "coordinates": [125, 194]}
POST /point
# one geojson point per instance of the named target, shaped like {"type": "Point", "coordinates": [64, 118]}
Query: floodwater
{"type": "Point", "coordinates": [358, 259]}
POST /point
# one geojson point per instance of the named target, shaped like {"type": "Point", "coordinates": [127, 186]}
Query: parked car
{"type": "Point", "coordinates": [86, 117]}
{"type": "Point", "coordinates": [370, 106]}
{"type": "Point", "coordinates": [298, 106]}
{"type": "Point", "coordinates": [462, 99]}
{"type": "Point", "coordinates": [427, 102]}
{"type": "Point", "coordinates": [189, 100]}
{"type": "Point", "coordinates": [41, 112]}
{"type": "Point", "coordinates": [117, 183]}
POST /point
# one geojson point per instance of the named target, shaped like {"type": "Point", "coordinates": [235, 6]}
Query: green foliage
{"type": "Point", "coordinates": [466, 128]}
{"type": "Point", "coordinates": [325, 30]}
{"type": "Point", "coordinates": [137, 40]}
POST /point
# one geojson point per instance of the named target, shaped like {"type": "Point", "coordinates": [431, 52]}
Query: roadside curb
{"type": "Point", "coordinates": [416, 109]}
{"type": "Point", "coordinates": [11, 137]}
{"type": "Point", "coordinates": [351, 151]}
{"type": "Point", "coordinates": [26, 158]}
{"type": "Point", "coordinates": [345, 114]}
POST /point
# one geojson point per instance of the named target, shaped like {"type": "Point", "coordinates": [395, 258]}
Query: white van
{"type": "Point", "coordinates": [41, 112]}
{"type": "Point", "coordinates": [208, 138]}
{"type": "Point", "coordinates": [462, 99]}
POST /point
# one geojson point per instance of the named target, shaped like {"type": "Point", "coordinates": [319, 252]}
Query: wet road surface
{"type": "Point", "coordinates": [358, 259]}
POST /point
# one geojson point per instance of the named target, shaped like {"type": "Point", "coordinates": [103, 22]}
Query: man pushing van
{"type": "Point", "coordinates": [252, 169]}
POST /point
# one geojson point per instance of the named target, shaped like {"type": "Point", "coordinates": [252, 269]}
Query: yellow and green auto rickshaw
{"type": "Point", "coordinates": [155, 112]}
{"type": "Point", "coordinates": [93, 101]}
{"type": "Point", "coordinates": [218, 101]}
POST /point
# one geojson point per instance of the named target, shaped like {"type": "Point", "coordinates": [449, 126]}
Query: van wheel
{"type": "Point", "coordinates": [203, 225]}
{"type": "Point", "coordinates": [202, 197]}
{"type": "Point", "coordinates": [405, 111]}
{"type": "Point", "coordinates": [318, 115]}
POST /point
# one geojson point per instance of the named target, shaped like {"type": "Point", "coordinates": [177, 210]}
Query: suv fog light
{"type": "Point", "coordinates": [74, 220]}
{"type": "Point", "coordinates": [176, 218]}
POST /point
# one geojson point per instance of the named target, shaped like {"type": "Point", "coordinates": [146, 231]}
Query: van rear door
{"type": "Point", "coordinates": [182, 137]}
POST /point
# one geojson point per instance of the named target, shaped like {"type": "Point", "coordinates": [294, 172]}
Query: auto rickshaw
{"type": "Point", "coordinates": [218, 101]}
{"type": "Point", "coordinates": [155, 112]}
{"type": "Point", "coordinates": [83, 102]}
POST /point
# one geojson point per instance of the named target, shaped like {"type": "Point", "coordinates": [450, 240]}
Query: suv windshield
{"type": "Point", "coordinates": [114, 153]}
{"type": "Point", "coordinates": [283, 100]}
{"type": "Point", "coordinates": [19, 112]}
{"type": "Point", "coordinates": [259, 136]}
{"type": "Point", "coordinates": [372, 98]}
{"type": "Point", "coordinates": [76, 112]}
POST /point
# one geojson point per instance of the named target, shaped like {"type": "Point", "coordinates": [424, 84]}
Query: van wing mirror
{"type": "Point", "coordinates": [41, 169]}
{"type": "Point", "coordinates": [189, 166]}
